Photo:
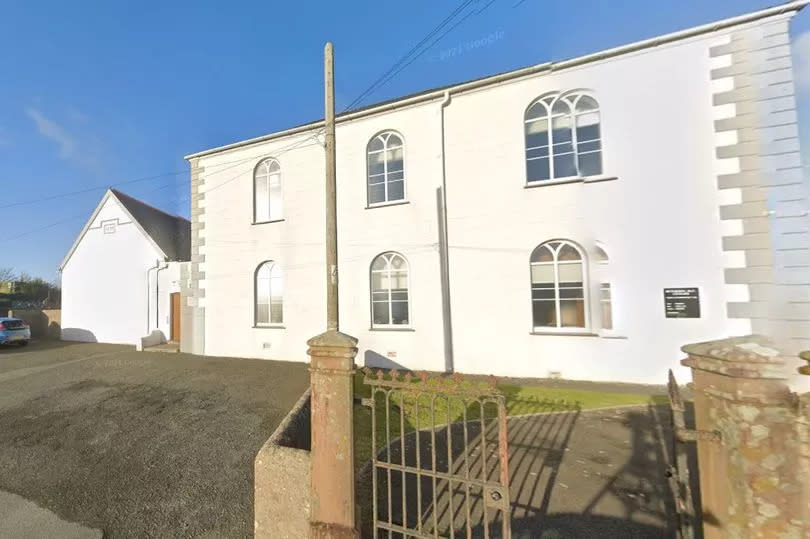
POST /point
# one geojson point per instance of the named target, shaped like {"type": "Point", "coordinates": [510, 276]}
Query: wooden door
{"type": "Point", "coordinates": [175, 316]}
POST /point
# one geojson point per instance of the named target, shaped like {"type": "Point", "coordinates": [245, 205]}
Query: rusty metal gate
{"type": "Point", "coordinates": [439, 457]}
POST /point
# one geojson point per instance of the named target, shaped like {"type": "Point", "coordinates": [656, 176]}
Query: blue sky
{"type": "Point", "coordinates": [98, 93]}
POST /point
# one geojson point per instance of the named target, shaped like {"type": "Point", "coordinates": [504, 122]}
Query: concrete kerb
{"type": "Point", "coordinates": [281, 477]}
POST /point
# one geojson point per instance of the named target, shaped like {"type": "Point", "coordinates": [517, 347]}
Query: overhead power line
{"type": "Point", "coordinates": [414, 53]}
{"type": "Point", "coordinates": [408, 54]}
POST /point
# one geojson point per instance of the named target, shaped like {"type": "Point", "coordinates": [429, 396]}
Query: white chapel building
{"type": "Point", "coordinates": [121, 277]}
{"type": "Point", "coordinates": [583, 218]}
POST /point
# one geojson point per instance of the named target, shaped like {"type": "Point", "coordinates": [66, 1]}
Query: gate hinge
{"type": "Point", "coordinates": [693, 435]}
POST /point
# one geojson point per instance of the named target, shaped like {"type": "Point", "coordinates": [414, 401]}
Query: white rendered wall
{"type": "Point", "coordinates": [104, 287]}
{"type": "Point", "coordinates": [233, 247]}
{"type": "Point", "coordinates": [168, 282]}
{"type": "Point", "coordinates": [658, 221]}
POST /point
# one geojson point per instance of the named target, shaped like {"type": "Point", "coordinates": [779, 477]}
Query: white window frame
{"type": "Point", "coordinates": [389, 256]}
{"type": "Point", "coordinates": [265, 176]}
{"type": "Point", "coordinates": [604, 275]}
{"type": "Point", "coordinates": [547, 101]}
{"type": "Point", "coordinates": [272, 265]}
{"type": "Point", "coordinates": [586, 297]}
{"type": "Point", "coordinates": [384, 136]}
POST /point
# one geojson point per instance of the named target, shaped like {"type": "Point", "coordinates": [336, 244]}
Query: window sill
{"type": "Point", "coordinates": [274, 326]}
{"type": "Point", "coordinates": [611, 335]}
{"type": "Point", "coordinates": [406, 329]}
{"type": "Point", "coordinates": [386, 204]}
{"type": "Point", "coordinates": [583, 333]}
{"type": "Point", "coordinates": [570, 179]}
{"type": "Point", "coordinates": [267, 222]}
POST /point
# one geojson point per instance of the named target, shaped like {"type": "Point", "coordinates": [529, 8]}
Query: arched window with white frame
{"type": "Point", "coordinates": [386, 168]}
{"type": "Point", "coordinates": [389, 291]}
{"type": "Point", "coordinates": [563, 137]}
{"type": "Point", "coordinates": [267, 203]}
{"type": "Point", "coordinates": [269, 294]}
{"type": "Point", "coordinates": [559, 286]}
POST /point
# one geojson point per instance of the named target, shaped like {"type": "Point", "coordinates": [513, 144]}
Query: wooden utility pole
{"type": "Point", "coordinates": [332, 318]}
{"type": "Point", "coordinates": [332, 503]}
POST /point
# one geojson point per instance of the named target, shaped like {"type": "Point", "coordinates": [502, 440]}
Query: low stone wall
{"type": "Point", "coordinates": [281, 478]}
{"type": "Point", "coordinates": [45, 323]}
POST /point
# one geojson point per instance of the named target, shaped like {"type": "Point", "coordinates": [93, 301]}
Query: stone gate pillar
{"type": "Point", "coordinates": [753, 480]}
{"type": "Point", "coordinates": [332, 471]}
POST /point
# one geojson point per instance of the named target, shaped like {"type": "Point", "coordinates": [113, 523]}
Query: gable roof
{"type": "Point", "coordinates": [490, 80]}
{"type": "Point", "coordinates": [169, 234]}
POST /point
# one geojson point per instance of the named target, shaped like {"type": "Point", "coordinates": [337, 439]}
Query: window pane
{"type": "Point", "coordinates": [375, 145]}
{"type": "Point", "coordinates": [262, 313]}
{"type": "Point", "coordinates": [276, 316]}
{"type": "Point", "coordinates": [543, 292]}
{"type": "Point", "coordinates": [560, 107]}
{"type": "Point", "coordinates": [537, 170]}
{"type": "Point", "coordinates": [380, 312]}
{"type": "Point", "coordinates": [399, 295]}
{"type": "Point", "coordinates": [394, 159]}
{"type": "Point", "coordinates": [534, 153]}
{"type": "Point", "coordinates": [537, 133]}
{"type": "Point", "coordinates": [379, 263]}
{"type": "Point", "coordinates": [590, 164]}
{"type": "Point", "coordinates": [571, 291]}
{"type": "Point", "coordinates": [275, 196]}
{"type": "Point", "coordinates": [570, 273]}
{"type": "Point", "coordinates": [572, 313]}
{"type": "Point", "coordinates": [587, 133]}
{"type": "Point", "coordinates": [607, 311]}
{"type": "Point", "coordinates": [542, 254]}
{"type": "Point", "coordinates": [588, 147]}
{"type": "Point", "coordinates": [263, 291]}
{"type": "Point", "coordinates": [544, 314]}
{"type": "Point", "coordinates": [379, 280]}
{"type": "Point", "coordinates": [561, 129]}
{"type": "Point", "coordinates": [568, 252]}
{"type": "Point", "coordinates": [564, 166]}
{"type": "Point", "coordinates": [542, 273]}
{"type": "Point", "coordinates": [399, 280]}
{"type": "Point", "coordinates": [396, 175]}
{"type": "Point", "coordinates": [399, 312]}
{"type": "Point", "coordinates": [376, 163]}
{"type": "Point", "coordinates": [393, 141]}
{"type": "Point", "coordinates": [262, 205]}
{"type": "Point", "coordinates": [536, 110]}
{"type": "Point", "coordinates": [376, 193]}
{"type": "Point", "coordinates": [396, 190]}
{"type": "Point", "coordinates": [586, 103]}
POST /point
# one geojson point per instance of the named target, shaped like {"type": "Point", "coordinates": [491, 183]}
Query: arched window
{"type": "Point", "coordinates": [389, 291]}
{"type": "Point", "coordinates": [269, 294]}
{"type": "Point", "coordinates": [605, 294]}
{"type": "Point", "coordinates": [386, 170]}
{"type": "Point", "coordinates": [563, 138]}
{"type": "Point", "coordinates": [558, 286]}
{"type": "Point", "coordinates": [267, 191]}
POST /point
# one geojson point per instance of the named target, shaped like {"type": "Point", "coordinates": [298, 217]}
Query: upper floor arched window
{"type": "Point", "coordinates": [269, 289]}
{"type": "Point", "coordinates": [563, 137]}
{"type": "Point", "coordinates": [386, 168]}
{"type": "Point", "coordinates": [389, 291]}
{"type": "Point", "coordinates": [267, 204]}
{"type": "Point", "coordinates": [558, 285]}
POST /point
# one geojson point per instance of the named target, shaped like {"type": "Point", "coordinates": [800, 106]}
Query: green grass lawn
{"type": "Point", "coordinates": [407, 412]}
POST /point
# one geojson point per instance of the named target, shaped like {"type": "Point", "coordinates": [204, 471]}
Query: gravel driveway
{"type": "Point", "coordinates": [139, 444]}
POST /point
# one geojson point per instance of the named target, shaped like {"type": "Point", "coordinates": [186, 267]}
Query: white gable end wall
{"type": "Point", "coordinates": [104, 288]}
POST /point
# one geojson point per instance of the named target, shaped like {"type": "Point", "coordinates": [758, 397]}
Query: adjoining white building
{"type": "Point", "coordinates": [121, 277]}
{"type": "Point", "coordinates": [582, 218]}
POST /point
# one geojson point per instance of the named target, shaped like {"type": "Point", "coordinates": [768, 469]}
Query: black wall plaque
{"type": "Point", "coordinates": [681, 303]}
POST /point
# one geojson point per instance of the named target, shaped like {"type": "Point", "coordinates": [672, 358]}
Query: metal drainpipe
{"type": "Point", "coordinates": [444, 255]}
{"type": "Point", "coordinates": [157, 265]}
{"type": "Point", "coordinates": [157, 295]}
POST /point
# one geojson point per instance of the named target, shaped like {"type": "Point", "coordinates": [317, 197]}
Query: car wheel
{"type": "Point", "coordinates": [23, 343]}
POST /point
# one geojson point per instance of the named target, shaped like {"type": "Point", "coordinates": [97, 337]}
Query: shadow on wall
{"type": "Point", "coordinates": [379, 361]}
{"type": "Point", "coordinates": [78, 334]}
